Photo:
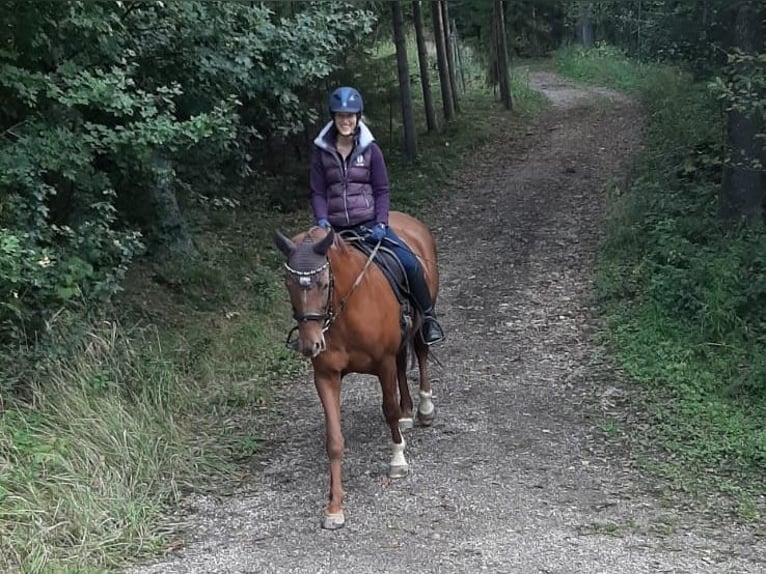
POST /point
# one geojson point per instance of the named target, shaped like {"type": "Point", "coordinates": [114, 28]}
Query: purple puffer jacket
{"type": "Point", "coordinates": [353, 192]}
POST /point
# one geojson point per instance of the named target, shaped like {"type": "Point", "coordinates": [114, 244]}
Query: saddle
{"type": "Point", "coordinates": [392, 269]}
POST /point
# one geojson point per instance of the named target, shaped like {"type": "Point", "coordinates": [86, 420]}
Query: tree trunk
{"type": "Point", "coordinates": [501, 51]}
{"type": "Point", "coordinates": [586, 24]}
{"type": "Point", "coordinates": [408, 119]}
{"type": "Point", "coordinates": [425, 81]}
{"type": "Point", "coordinates": [171, 231]}
{"type": "Point", "coordinates": [441, 60]}
{"type": "Point", "coordinates": [742, 188]}
{"type": "Point", "coordinates": [450, 49]}
{"type": "Point", "coordinates": [458, 56]}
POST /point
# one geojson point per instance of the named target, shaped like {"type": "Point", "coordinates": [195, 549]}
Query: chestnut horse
{"type": "Point", "coordinates": [349, 322]}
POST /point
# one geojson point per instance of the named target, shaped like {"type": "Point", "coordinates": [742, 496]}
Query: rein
{"type": "Point", "coordinates": [356, 283]}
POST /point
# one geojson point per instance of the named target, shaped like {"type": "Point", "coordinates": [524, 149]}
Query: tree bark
{"type": "Point", "coordinates": [742, 188]}
{"type": "Point", "coordinates": [458, 56]}
{"type": "Point", "coordinates": [449, 47]}
{"type": "Point", "coordinates": [441, 60]}
{"type": "Point", "coordinates": [425, 81]}
{"type": "Point", "coordinates": [405, 96]}
{"type": "Point", "coordinates": [172, 233]}
{"type": "Point", "coordinates": [501, 51]}
{"type": "Point", "coordinates": [586, 24]}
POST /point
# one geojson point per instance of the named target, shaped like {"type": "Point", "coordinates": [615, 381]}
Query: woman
{"type": "Point", "coordinates": [349, 190]}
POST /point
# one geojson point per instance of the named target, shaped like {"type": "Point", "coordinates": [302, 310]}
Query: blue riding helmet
{"type": "Point", "coordinates": [346, 100]}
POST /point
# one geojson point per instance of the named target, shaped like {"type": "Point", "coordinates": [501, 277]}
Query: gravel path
{"type": "Point", "coordinates": [515, 475]}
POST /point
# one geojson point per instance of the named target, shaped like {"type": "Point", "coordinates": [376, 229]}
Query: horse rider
{"type": "Point", "coordinates": [350, 191]}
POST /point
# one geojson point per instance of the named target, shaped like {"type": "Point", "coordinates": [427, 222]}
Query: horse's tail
{"type": "Point", "coordinates": [410, 350]}
{"type": "Point", "coordinates": [435, 358]}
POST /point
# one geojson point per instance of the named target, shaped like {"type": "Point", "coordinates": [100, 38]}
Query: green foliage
{"type": "Point", "coordinates": [741, 88]}
{"type": "Point", "coordinates": [697, 35]}
{"type": "Point", "coordinates": [534, 27]}
{"type": "Point", "coordinates": [604, 65]}
{"type": "Point", "coordinates": [94, 91]}
{"type": "Point", "coordinates": [683, 296]}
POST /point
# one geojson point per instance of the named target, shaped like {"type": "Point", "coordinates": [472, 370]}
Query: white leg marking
{"type": "Point", "coordinates": [398, 467]}
{"type": "Point", "coordinates": [426, 406]}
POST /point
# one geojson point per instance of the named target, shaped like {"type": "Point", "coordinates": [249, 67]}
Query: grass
{"type": "Point", "coordinates": [681, 294]}
{"type": "Point", "coordinates": [89, 462]}
{"type": "Point", "coordinates": [166, 395]}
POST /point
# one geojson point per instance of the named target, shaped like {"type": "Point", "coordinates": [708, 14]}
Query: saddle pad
{"type": "Point", "coordinates": [387, 261]}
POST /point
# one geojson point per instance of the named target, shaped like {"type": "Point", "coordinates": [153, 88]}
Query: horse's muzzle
{"type": "Point", "coordinates": [314, 347]}
{"type": "Point", "coordinates": [309, 342]}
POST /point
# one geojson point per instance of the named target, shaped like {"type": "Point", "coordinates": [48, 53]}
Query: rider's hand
{"type": "Point", "coordinates": [378, 232]}
{"type": "Point", "coordinates": [323, 223]}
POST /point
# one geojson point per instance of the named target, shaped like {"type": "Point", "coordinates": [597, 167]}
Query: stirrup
{"type": "Point", "coordinates": [435, 331]}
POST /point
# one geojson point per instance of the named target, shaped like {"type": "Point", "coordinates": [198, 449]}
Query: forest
{"type": "Point", "coordinates": [150, 148]}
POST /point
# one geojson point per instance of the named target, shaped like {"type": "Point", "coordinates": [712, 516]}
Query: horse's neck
{"type": "Point", "coordinates": [347, 264]}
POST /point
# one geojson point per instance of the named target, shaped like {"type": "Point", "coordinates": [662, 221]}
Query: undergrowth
{"type": "Point", "coordinates": [683, 297]}
{"type": "Point", "coordinates": [164, 395]}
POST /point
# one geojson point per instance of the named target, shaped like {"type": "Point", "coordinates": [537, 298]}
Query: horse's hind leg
{"type": "Point", "coordinates": [405, 399]}
{"type": "Point", "coordinates": [398, 467]}
{"type": "Point", "coordinates": [426, 410]}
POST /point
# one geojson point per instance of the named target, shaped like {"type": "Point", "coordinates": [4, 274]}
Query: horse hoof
{"type": "Point", "coordinates": [426, 420]}
{"type": "Point", "coordinates": [406, 423]}
{"type": "Point", "coordinates": [398, 471]}
{"type": "Point", "coordinates": [334, 521]}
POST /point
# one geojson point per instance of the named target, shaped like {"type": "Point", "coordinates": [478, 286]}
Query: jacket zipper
{"type": "Point", "coordinates": [345, 188]}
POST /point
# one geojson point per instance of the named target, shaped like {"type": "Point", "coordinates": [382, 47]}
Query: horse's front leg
{"type": "Point", "coordinates": [405, 399]}
{"type": "Point", "coordinates": [398, 467]}
{"type": "Point", "coordinates": [328, 388]}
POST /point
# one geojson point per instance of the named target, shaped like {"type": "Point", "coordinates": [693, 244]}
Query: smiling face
{"type": "Point", "coordinates": [345, 123]}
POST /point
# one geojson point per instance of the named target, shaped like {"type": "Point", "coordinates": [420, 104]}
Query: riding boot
{"type": "Point", "coordinates": [430, 330]}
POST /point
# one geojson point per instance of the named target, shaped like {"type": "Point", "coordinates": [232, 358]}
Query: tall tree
{"type": "Point", "coordinates": [448, 102]}
{"type": "Point", "coordinates": [425, 81]}
{"type": "Point", "coordinates": [499, 42]}
{"type": "Point", "coordinates": [449, 43]}
{"type": "Point", "coordinates": [405, 96]}
{"type": "Point", "coordinates": [586, 23]}
{"type": "Point", "coordinates": [742, 188]}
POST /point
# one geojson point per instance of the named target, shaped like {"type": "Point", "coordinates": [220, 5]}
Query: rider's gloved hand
{"type": "Point", "coordinates": [323, 223]}
{"type": "Point", "coordinates": [378, 232]}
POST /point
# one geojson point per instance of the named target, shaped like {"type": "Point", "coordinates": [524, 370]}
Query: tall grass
{"type": "Point", "coordinates": [88, 463]}
{"type": "Point", "coordinates": [683, 296]}
{"type": "Point", "coordinates": [117, 426]}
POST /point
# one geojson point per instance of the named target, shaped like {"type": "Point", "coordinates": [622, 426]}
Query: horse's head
{"type": "Point", "coordinates": [309, 284]}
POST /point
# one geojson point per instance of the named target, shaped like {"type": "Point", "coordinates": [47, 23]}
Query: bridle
{"type": "Point", "coordinates": [328, 315]}
{"type": "Point", "coordinates": [305, 280]}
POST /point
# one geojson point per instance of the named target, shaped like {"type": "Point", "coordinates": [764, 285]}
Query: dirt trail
{"type": "Point", "coordinates": [514, 476]}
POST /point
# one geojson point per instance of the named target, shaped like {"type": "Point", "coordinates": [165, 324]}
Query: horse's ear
{"type": "Point", "coordinates": [283, 243]}
{"type": "Point", "coordinates": [322, 247]}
